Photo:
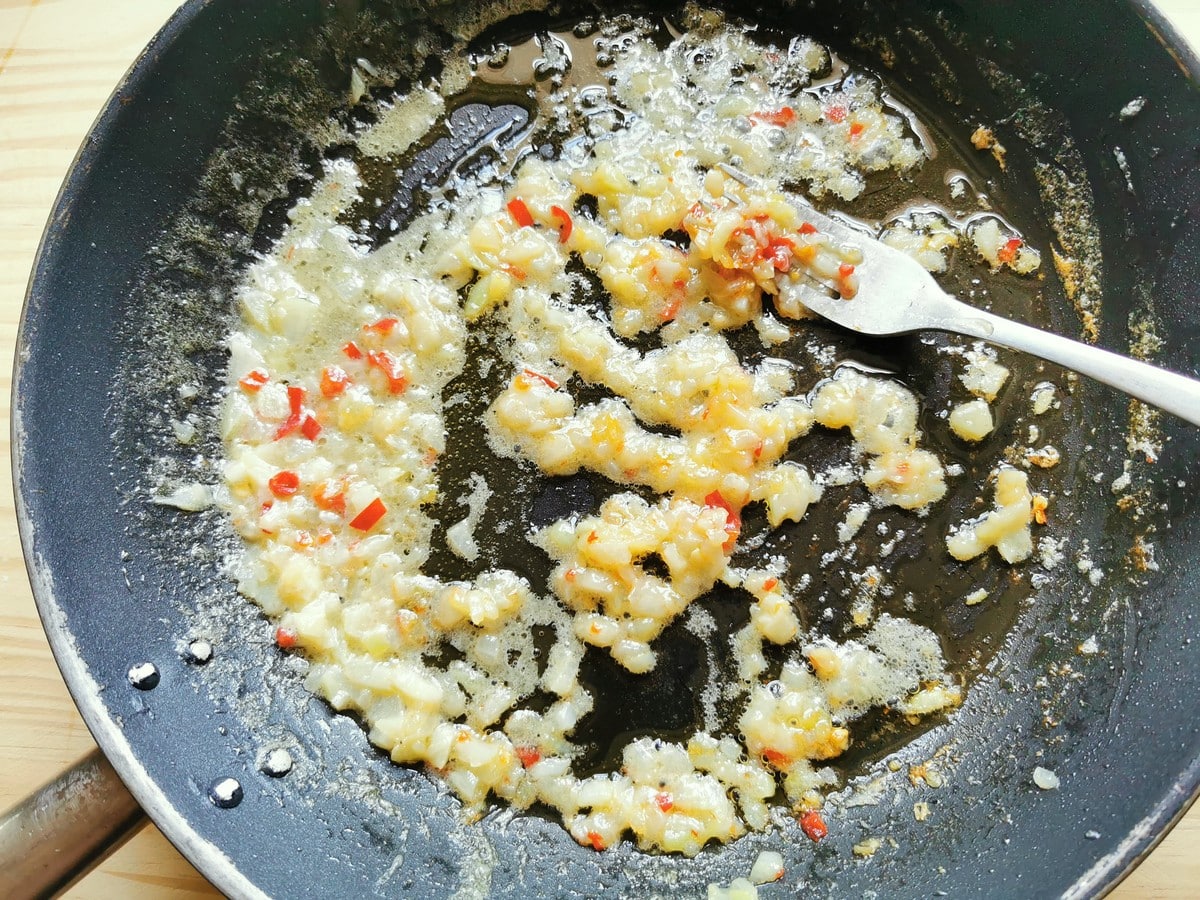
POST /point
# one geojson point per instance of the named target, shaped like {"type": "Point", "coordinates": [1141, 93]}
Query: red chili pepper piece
{"type": "Point", "coordinates": [284, 483]}
{"type": "Point", "coordinates": [808, 228]}
{"type": "Point", "coordinates": [391, 367]}
{"type": "Point", "coordinates": [813, 825]}
{"type": "Point", "coordinates": [329, 497]}
{"type": "Point", "coordinates": [856, 129]}
{"type": "Point", "coordinates": [310, 427]}
{"type": "Point", "coordinates": [296, 404]}
{"type": "Point", "coordinates": [835, 113]}
{"type": "Point", "coordinates": [779, 252]}
{"type": "Point", "coordinates": [1008, 253]}
{"type": "Point", "coordinates": [596, 840]}
{"type": "Point", "coordinates": [334, 380]}
{"type": "Point", "coordinates": [776, 758]}
{"type": "Point", "coordinates": [351, 350]}
{"type": "Point", "coordinates": [845, 270]}
{"type": "Point", "coordinates": [383, 326]}
{"type": "Point", "coordinates": [781, 117]}
{"type": "Point", "coordinates": [254, 380]}
{"type": "Point", "coordinates": [733, 518]}
{"type": "Point", "coordinates": [520, 212]}
{"type": "Point", "coordinates": [529, 756]}
{"type": "Point", "coordinates": [285, 638]}
{"type": "Point", "coordinates": [770, 583]}
{"type": "Point", "coordinates": [372, 513]}
{"type": "Point", "coordinates": [544, 379]}
{"type": "Point", "coordinates": [664, 802]}
{"type": "Point", "coordinates": [565, 223]}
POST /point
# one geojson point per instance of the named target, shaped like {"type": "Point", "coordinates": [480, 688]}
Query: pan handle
{"type": "Point", "coordinates": [56, 834]}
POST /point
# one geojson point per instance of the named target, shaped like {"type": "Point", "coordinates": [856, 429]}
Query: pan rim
{"type": "Point", "coordinates": [207, 858]}
{"type": "Point", "coordinates": [214, 864]}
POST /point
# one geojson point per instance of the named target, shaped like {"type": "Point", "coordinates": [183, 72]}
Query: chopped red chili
{"type": "Point", "coordinates": [808, 228]}
{"type": "Point", "coordinates": [733, 518]}
{"type": "Point", "coordinates": [779, 252]}
{"type": "Point", "coordinates": [284, 483]}
{"type": "Point", "coordinates": [1008, 253]}
{"type": "Point", "coordinates": [285, 638]}
{"type": "Point", "coordinates": [352, 350]}
{"type": "Point", "coordinates": [371, 514]}
{"type": "Point", "coordinates": [856, 129]}
{"type": "Point", "coordinates": [383, 326]}
{"type": "Point", "coordinates": [845, 270]}
{"type": "Point", "coordinates": [333, 380]}
{"type": "Point", "coordinates": [835, 113]}
{"type": "Point", "coordinates": [565, 224]}
{"type": "Point", "coordinates": [391, 367]}
{"type": "Point", "coordinates": [538, 376]}
{"type": "Point", "coordinates": [596, 840]}
{"type": "Point", "coordinates": [813, 825]}
{"type": "Point", "coordinates": [254, 380]}
{"type": "Point", "coordinates": [664, 801]}
{"type": "Point", "coordinates": [296, 405]}
{"type": "Point", "coordinates": [781, 117]}
{"type": "Point", "coordinates": [310, 427]}
{"type": "Point", "coordinates": [329, 497]}
{"type": "Point", "coordinates": [520, 212]}
{"type": "Point", "coordinates": [777, 758]}
{"type": "Point", "coordinates": [529, 756]}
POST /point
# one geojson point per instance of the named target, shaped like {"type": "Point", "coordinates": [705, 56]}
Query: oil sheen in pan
{"type": "Point", "coordinates": [489, 126]}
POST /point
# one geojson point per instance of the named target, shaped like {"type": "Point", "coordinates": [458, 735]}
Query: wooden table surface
{"type": "Point", "coordinates": [59, 60]}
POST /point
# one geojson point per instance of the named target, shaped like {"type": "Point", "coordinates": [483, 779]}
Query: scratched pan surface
{"type": "Point", "coordinates": [167, 203]}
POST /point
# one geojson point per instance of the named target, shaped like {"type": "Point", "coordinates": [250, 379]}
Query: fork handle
{"type": "Point", "coordinates": [1177, 394]}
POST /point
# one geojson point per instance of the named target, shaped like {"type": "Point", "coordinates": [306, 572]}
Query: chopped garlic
{"type": "Point", "coordinates": [768, 867]}
{"type": "Point", "coordinates": [972, 421]}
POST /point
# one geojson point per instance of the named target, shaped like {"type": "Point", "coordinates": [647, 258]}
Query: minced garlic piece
{"type": "Point", "coordinates": [972, 421]}
{"type": "Point", "coordinates": [1006, 527]}
{"type": "Point", "coordinates": [983, 376]}
{"type": "Point", "coordinates": [926, 237]}
{"type": "Point", "coordinates": [999, 249]}
{"type": "Point", "coordinates": [768, 867]}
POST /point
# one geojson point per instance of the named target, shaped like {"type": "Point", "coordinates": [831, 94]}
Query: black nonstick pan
{"type": "Point", "coordinates": [187, 175]}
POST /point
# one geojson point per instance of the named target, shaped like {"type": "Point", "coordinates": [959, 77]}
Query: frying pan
{"type": "Point", "coordinates": [117, 313]}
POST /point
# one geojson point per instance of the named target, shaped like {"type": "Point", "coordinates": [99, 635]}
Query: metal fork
{"type": "Point", "coordinates": [896, 295]}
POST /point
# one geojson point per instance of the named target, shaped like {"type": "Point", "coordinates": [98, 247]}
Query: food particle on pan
{"type": "Point", "coordinates": [1046, 779]}
{"type": "Point", "coordinates": [867, 847]}
{"type": "Point", "coordinates": [1141, 554]}
{"type": "Point", "coordinates": [1040, 504]}
{"type": "Point", "coordinates": [189, 497]}
{"type": "Point", "coordinates": [972, 420]}
{"type": "Point", "coordinates": [1046, 457]}
{"type": "Point", "coordinates": [1044, 397]}
{"type": "Point", "coordinates": [983, 138]}
{"type": "Point", "coordinates": [1089, 647]}
{"type": "Point", "coordinates": [277, 762]}
{"type": "Point", "coordinates": [611, 281]}
{"type": "Point", "coordinates": [921, 811]}
{"type": "Point", "coordinates": [1132, 108]}
{"type": "Point", "coordinates": [738, 889]}
{"type": "Point", "coordinates": [976, 597]}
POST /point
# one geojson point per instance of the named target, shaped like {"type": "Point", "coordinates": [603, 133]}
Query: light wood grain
{"type": "Point", "coordinates": [59, 60]}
